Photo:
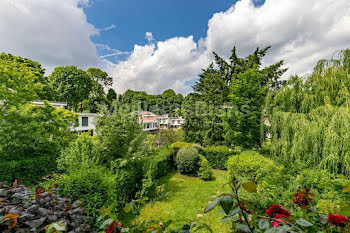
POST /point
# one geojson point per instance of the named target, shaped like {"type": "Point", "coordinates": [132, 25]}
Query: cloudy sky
{"type": "Point", "coordinates": [155, 45]}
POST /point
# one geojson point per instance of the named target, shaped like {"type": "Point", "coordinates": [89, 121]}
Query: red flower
{"type": "Point", "coordinates": [303, 198]}
{"type": "Point", "coordinates": [114, 227]}
{"type": "Point", "coordinates": [338, 220]}
{"type": "Point", "coordinates": [276, 212]}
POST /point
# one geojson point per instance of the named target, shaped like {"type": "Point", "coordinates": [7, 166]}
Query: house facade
{"type": "Point", "coordinates": [151, 122]}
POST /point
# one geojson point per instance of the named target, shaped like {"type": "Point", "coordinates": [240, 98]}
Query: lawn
{"type": "Point", "coordinates": [186, 201]}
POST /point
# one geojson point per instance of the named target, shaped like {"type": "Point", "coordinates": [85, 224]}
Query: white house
{"type": "Point", "coordinates": [86, 123]}
{"type": "Point", "coordinates": [152, 122]}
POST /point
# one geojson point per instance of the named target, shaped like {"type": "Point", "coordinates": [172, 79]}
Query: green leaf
{"type": "Point", "coordinates": [264, 224]}
{"type": "Point", "coordinates": [303, 223]}
{"type": "Point", "coordinates": [346, 189]}
{"type": "Point", "coordinates": [345, 210]}
{"type": "Point", "coordinates": [235, 211]}
{"type": "Point", "coordinates": [212, 205]}
{"type": "Point", "coordinates": [127, 208]}
{"type": "Point", "coordinates": [106, 223]}
{"type": "Point", "coordinates": [243, 227]}
{"type": "Point", "coordinates": [275, 230]}
{"type": "Point", "coordinates": [226, 203]}
{"type": "Point", "coordinates": [249, 187]}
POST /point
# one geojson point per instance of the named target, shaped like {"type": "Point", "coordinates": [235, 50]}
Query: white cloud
{"type": "Point", "coordinates": [53, 32]}
{"type": "Point", "coordinates": [110, 27]}
{"type": "Point", "coordinates": [156, 67]}
{"type": "Point", "coordinates": [56, 32]}
{"type": "Point", "coordinates": [301, 32]}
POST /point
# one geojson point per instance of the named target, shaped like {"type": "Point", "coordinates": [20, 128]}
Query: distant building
{"type": "Point", "coordinates": [86, 121]}
{"type": "Point", "coordinates": [152, 122]}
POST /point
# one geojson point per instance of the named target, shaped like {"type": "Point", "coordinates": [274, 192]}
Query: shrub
{"type": "Point", "coordinates": [93, 186]}
{"type": "Point", "coordinates": [217, 156]}
{"type": "Point", "coordinates": [252, 165]}
{"type": "Point", "coordinates": [205, 170]}
{"type": "Point", "coordinates": [83, 152]}
{"type": "Point", "coordinates": [30, 169]}
{"type": "Point", "coordinates": [153, 168]}
{"type": "Point", "coordinates": [188, 161]}
{"type": "Point", "coordinates": [176, 146]}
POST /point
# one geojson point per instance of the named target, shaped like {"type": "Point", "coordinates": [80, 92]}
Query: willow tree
{"type": "Point", "coordinates": [310, 117]}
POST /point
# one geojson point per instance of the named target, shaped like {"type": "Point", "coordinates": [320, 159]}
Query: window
{"type": "Point", "coordinates": [85, 121]}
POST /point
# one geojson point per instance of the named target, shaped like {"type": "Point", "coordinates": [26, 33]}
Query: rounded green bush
{"type": "Point", "coordinates": [205, 170]}
{"type": "Point", "coordinates": [188, 161]}
{"type": "Point", "coordinates": [252, 165]}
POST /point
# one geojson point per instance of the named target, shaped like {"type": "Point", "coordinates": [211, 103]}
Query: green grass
{"type": "Point", "coordinates": [186, 201]}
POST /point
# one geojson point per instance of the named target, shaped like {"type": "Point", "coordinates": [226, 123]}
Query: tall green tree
{"type": "Point", "coordinates": [101, 81]}
{"type": "Point", "coordinates": [234, 92]}
{"type": "Point", "coordinates": [249, 86]}
{"type": "Point", "coordinates": [71, 85]}
{"type": "Point", "coordinates": [111, 95]}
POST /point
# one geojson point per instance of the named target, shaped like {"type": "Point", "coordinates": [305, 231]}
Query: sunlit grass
{"type": "Point", "coordinates": [186, 202]}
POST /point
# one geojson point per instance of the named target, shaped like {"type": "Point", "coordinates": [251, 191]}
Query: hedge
{"type": "Point", "coordinates": [31, 169]}
{"type": "Point", "coordinates": [217, 156]}
{"type": "Point", "coordinates": [160, 164]}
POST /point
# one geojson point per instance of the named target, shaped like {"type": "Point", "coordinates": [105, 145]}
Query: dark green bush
{"type": "Point", "coordinates": [153, 168]}
{"type": "Point", "coordinates": [188, 161]}
{"type": "Point", "coordinates": [30, 169]}
{"type": "Point", "coordinates": [205, 170]}
{"type": "Point", "coordinates": [217, 156]}
{"type": "Point", "coordinates": [95, 187]}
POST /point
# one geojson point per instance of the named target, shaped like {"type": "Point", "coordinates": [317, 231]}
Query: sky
{"type": "Point", "coordinates": [160, 44]}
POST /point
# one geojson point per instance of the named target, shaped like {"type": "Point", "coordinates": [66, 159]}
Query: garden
{"type": "Point", "coordinates": [255, 154]}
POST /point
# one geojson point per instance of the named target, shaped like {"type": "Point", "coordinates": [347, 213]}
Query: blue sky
{"type": "Point", "coordinates": [164, 18]}
{"type": "Point", "coordinates": [186, 32]}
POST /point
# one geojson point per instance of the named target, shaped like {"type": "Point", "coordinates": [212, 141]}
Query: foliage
{"type": "Point", "coordinates": [100, 81]}
{"type": "Point", "coordinates": [166, 103]}
{"type": "Point", "coordinates": [71, 85]}
{"type": "Point", "coordinates": [21, 79]}
{"type": "Point", "coordinates": [119, 135]}
{"type": "Point", "coordinates": [252, 165]}
{"type": "Point", "coordinates": [111, 95]}
{"type": "Point", "coordinates": [249, 86]}
{"type": "Point", "coordinates": [94, 187]}
{"type": "Point", "coordinates": [24, 211]}
{"type": "Point", "coordinates": [83, 152]}
{"type": "Point", "coordinates": [165, 137]}
{"type": "Point", "coordinates": [217, 156]}
{"type": "Point", "coordinates": [205, 170]}
{"type": "Point", "coordinates": [30, 170]}
{"type": "Point", "coordinates": [188, 161]}
{"type": "Point", "coordinates": [27, 131]}
{"type": "Point", "coordinates": [309, 119]}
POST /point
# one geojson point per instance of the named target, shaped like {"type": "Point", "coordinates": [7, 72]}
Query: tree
{"type": "Point", "coordinates": [249, 86]}
{"type": "Point", "coordinates": [119, 134]}
{"type": "Point", "coordinates": [21, 80]}
{"type": "Point", "coordinates": [101, 81]}
{"type": "Point", "coordinates": [71, 85]}
{"type": "Point", "coordinates": [111, 95]}
{"type": "Point", "coordinates": [229, 89]}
